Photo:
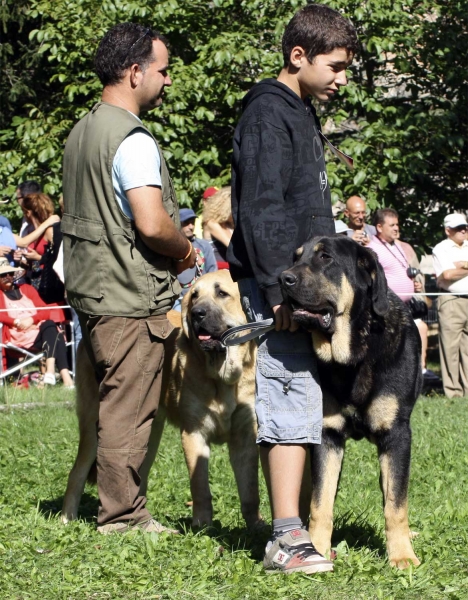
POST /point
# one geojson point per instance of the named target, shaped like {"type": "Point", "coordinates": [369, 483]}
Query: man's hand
{"type": "Point", "coordinates": [361, 237]}
{"type": "Point", "coordinates": [461, 264]}
{"type": "Point", "coordinates": [4, 250]}
{"type": "Point", "coordinates": [283, 318]}
{"type": "Point", "coordinates": [188, 263]}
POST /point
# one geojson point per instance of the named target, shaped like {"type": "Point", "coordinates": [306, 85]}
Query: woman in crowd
{"type": "Point", "coordinates": [37, 209]}
{"type": "Point", "coordinates": [29, 328]}
{"type": "Point", "coordinates": [218, 224]}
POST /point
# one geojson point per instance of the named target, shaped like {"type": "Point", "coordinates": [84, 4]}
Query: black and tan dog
{"type": "Point", "coordinates": [208, 392]}
{"type": "Point", "coordinates": [369, 354]}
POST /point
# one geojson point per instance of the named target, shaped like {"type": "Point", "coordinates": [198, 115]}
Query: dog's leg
{"type": "Point", "coordinates": [326, 460]}
{"type": "Point", "coordinates": [87, 408]}
{"type": "Point", "coordinates": [394, 455]}
{"type": "Point", "coordinates": [197, 455]}
{"type": "Point", "coordinates": [157, 429]}
{"type": "Point", "coordinates": [243, 454]}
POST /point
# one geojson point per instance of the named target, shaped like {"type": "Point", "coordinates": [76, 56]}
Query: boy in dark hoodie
{"type": "Point", "coordinates": [281, 198]}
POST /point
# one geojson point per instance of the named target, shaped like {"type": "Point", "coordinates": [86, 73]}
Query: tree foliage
{"type": "Point", "coordinates": [402, 117]}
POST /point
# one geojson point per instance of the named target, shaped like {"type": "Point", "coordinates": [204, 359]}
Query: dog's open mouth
{"type": "Point", "coordinates": [314, 318]}
{"type": "Point", "coordinates": [209, 341]}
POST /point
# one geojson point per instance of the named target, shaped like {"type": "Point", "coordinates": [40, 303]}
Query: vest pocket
{"type": "Point", "coordinates": [161, 287]}
{"type": "Point", "coordinates": [82, 258]}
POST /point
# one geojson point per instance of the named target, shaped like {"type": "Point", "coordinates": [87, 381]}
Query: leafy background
{"type": "Point", "coordinates": [403, 116]}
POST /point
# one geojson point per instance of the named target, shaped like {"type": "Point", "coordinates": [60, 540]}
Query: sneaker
{"type": "Point", "coordinates": [151, 526]}
{"type": "Point", "coordinates": [294, 552]}
{"type": "Point", "coordinates": [430, 378]}
{"type": "Point", "coordinates": [49, 379]}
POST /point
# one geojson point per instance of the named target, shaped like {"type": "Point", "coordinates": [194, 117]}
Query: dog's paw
{"type": "Point", "coordinates": [405, 563]}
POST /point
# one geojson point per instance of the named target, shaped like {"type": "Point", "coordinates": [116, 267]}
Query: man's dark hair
{"type": "Point", "coordinates": [124, 45]}
{"type": "Point", "coordinates": [381, 214]}
{"type": "Point", "coordinates": [319, 30]}
{"type": "Point", "coordinates": [29, 187]}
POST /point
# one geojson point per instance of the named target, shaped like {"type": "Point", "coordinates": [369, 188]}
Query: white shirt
{"type": "Point", "coordinates": [136, 164]}
{"type": "Point", "coordinates": [445, 255]}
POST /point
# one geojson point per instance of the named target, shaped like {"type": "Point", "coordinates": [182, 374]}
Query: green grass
{"type": "Point", "coordinates": [42, 559]}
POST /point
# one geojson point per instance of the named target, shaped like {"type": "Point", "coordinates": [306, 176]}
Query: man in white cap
{"type": "Point", "coordinates": [451, 268]}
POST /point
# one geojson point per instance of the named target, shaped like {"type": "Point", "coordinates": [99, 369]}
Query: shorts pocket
{"type": "Point", "coordinates": [289, 398]}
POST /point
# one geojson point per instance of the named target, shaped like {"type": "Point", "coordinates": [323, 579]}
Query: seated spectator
{"type": "Point", "coordinates": [37, 208]}
{"type": "Point", "coordinates": [7, 239]}
{"type": "Point", "coordinates": [395, 264]}
{"type": "Point", "coordinates": [355, 213]}
{"type": "Point", "coordinates": [29, 328]}
{"type": "Point", "coordinates": [218, 224]}
{"type": "Point", "coordinates": [206, 261]}
{"type": "Point", "coordinates": [451, 268]}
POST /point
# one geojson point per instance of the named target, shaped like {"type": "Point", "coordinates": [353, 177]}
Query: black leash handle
{"type": "Point", "coordinates": [230, 338]}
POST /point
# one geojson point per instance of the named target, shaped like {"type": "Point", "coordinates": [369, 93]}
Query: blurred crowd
{"type": "Point", "coordinates": [34, 252]}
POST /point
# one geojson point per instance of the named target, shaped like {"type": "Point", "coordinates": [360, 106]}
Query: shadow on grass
{"type": "Point", "coordinates": [87, 512]}
{"type": "Point", "coordinates": [357, 533]}
{"type": "Point", "coordinates": [232, 539]}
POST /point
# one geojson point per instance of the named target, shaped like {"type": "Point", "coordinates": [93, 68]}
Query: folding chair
{"type": "Point", "coordinates": [15, 352]}
{"type": "Point", "coordinates": [11, 350]}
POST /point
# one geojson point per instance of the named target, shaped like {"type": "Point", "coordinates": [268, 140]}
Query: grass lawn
{"type": "Point", "coordinates": [42, 559]}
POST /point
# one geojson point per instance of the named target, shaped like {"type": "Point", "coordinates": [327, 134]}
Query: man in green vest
{"type": "Point", "coordinates": [122, 253]}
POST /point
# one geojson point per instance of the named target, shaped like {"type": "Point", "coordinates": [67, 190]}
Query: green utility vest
{"type": "Point", "coordinates": [108, 269]}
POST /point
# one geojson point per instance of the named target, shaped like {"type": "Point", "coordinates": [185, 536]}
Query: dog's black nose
{"type": "Point", "coordinates": [198, 313]}
{"type": "Point", "coordinates": [288, 279]}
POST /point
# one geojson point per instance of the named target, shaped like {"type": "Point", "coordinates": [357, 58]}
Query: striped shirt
{"type": "Point", "coordinates": [394, 262]}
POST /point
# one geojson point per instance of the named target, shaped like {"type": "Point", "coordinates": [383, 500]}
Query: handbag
{"type": "Point", "coordinates": [417, 307]}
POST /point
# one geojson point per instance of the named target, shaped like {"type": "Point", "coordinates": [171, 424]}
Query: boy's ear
{"type": "Point", "coordinates": [297, 56]}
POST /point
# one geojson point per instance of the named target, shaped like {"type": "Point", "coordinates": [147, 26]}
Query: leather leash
{"type": "Point", "coordinates": [229, 337]}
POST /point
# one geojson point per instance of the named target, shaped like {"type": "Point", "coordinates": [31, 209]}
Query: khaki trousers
{"type": "Point", "coordinates": [127, 355]}
{"type": "Point", "coordinates": [453, 344]}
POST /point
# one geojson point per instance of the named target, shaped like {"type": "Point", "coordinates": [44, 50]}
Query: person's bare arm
{"type": "Point", "coordinates": [156, 228]}
{"type": "Point", "coordinates": [23, 242]}
{"type": "Point", "coordinates": [451, 275]}
{"type": "Point", "coordinates": [216, 230]}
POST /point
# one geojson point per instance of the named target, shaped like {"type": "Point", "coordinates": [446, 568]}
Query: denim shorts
{"type": "Point", "coordinates": [288, 397]}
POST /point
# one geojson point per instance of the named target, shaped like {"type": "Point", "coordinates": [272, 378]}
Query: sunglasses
{"type": "Point", "coordinates": [147, 32]}
{"type": "Point", "coordinates": [5, 275]}
{"type": "Point", "coordinates": [459, 228]}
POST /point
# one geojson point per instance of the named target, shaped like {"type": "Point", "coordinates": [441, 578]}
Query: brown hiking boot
{"type": "Point", "coordinates": [151, 526]}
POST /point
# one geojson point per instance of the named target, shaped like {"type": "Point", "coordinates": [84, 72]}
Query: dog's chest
{"type": "Point", "coordinates": [218, 417]}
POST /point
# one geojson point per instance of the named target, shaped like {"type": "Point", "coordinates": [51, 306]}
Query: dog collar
{"type": "Point", "coordinates": [230, 337]}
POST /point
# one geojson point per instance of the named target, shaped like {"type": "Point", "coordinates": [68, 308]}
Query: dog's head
{"type": "Point", "coordinates": [334, 277]}
{"type": "Point", "coordinates": [211, 307]}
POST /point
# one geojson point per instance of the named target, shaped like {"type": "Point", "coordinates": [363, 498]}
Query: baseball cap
{"type": "Point", "coordinates": [455, 220]}
{"type": "Point", "coordinates": [185, 214]}
{"type": "Point", "coordinates": [210, 192]}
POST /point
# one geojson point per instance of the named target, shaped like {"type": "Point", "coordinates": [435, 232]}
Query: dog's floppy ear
{"type": "Point", "coordinates": [185, 310]}
{"type": "Point", "coordinates": [378, 282]}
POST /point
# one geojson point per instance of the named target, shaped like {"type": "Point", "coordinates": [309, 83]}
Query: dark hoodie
{"type": "Point", "coordinates": [280, 193]}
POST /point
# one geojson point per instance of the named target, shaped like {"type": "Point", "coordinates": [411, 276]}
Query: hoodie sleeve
{"type": "Point", "coordinates": [264, 171]}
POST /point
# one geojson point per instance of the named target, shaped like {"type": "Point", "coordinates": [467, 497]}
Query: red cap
{"type": "Point", "coordinates": [209, 192]}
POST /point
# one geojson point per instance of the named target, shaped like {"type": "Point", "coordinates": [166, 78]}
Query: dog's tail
{"type": "Point", "coordinates": [92, 475]}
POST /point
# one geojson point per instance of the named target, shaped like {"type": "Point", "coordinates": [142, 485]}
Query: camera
{"type": "Point", "coordinates": [412, 272]}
